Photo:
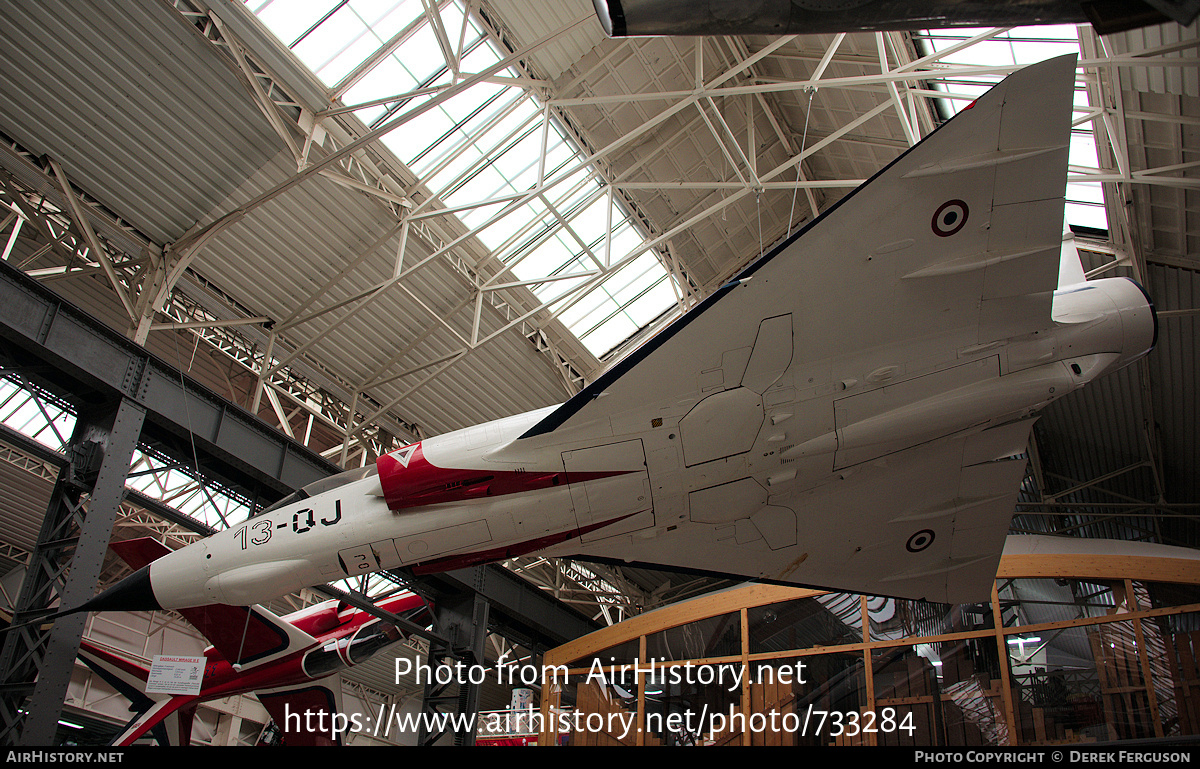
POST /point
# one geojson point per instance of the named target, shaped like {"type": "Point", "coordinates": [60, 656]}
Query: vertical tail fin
{"type": "Point", "coordinates": [1070, 268]}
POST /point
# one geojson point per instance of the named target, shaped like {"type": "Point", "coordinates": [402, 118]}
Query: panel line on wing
{"type": "Point", "coordinates": [997, 158]}
{"type": "Point", "coordinates": [977, 261]}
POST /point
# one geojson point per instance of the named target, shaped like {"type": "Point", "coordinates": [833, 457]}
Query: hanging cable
{"type": "Point", "coordinates": [800, 154]}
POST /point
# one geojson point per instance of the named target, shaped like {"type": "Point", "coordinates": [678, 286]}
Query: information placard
{"type": "Point", "coordinates": [175, 675]}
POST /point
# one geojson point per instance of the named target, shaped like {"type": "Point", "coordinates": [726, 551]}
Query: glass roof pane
{"type": "Point", "coordinates": [448, 141]}
{"type": "Point", "coordinates": [35, 415]}
{"type": "Point", "coordinates": [484, 184]}
{"type": "Point", "coordinates": [40, 416]}
{"type": "Point", "coordinates": [1023, 46]}
{"type": "Point", "coordinates": [649, 305]}
{"type": "Point", "coordinates": [481, 57]}
{"type": "Point", "coordinates": [504, 229]}
{"type": "Point", "coordinates": [610, 334]}
{"type": "Point", "coordinates": [343, 31]}
{"type": "Point", "coordinates": [289, 19]}
{"type": "Point", "coordinates": [422, 54]}
{"type": "Point", "coordinates": [159, 479]}
{"type": "Point", "coordinates": [388, 78]}
{"type": "Point", "coordinates": [387, 18]}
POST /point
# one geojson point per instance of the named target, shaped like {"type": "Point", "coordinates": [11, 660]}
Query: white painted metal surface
{"type": "Point", "coordinates": [933, 359]}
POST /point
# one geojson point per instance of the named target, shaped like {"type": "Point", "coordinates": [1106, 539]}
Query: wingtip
{"type": "Point", "coordinates": [1058, 70]}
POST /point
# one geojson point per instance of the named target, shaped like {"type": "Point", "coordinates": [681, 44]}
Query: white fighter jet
{"type": "Point", "coordinates": [849, 412]}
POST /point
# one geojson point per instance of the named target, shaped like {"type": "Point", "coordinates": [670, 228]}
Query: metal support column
{"type": "Point", "coordinates": [465, 624]}
{"type": "Point", "coordinates": [37, 661]}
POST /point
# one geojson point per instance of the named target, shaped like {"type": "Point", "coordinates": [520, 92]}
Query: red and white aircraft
{"type": "Point", "coordinates": [289, 662]}
{"type": "Point", "coordinates": [849, 412]}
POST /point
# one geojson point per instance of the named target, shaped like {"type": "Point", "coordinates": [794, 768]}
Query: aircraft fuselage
{"type": "Point", "coordinates": [458, 499]}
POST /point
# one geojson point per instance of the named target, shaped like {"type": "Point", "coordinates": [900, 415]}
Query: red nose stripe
{"type": "Point", "coordinates": [419, 482]}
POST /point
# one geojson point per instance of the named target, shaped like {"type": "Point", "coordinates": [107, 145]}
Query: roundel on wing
{"type": "Point", "coordinates": [919, 541]}
{"type": "Point", "coordinates": [950, 217]}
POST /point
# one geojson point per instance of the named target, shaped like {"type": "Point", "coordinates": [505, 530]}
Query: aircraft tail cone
{"type": "Point", "coordinates": [134, 593]}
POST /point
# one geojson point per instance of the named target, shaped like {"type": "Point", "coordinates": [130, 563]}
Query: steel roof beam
{"type": "Point", "coordinates": [89, 354]}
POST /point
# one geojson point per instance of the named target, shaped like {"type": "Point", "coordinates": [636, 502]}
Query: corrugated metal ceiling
{"type": "Point", "coordinates": [169, 137]}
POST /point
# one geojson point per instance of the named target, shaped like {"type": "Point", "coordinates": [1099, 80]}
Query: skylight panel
{"type": "Point", "coordinates": [180, 489]}
{"type": "Point", "coordinates": [422, 55]}
{"type": "Point", "coordinates": [290, 19]}
{"type": "Point", "coordinates": [42, 418]}
{"type": "Point", "coordinates": [592, 222]}
{"type": "Point", "coordinates": [480, 145]}
{"type": "Point", "coordinates": [518, 165]}
{"type": "Point", "coordinates": [34, 416]}
{"type": "Point", "coordinates": [505, 229]}
{"type": "Point", "coordinates": [387, 78]}
{"type": "Point", "coordinates": [1020, 47]}
{"type": "Point", "coordinates": [341, 37]}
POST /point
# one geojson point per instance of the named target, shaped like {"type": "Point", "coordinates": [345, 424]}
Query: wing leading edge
{"type": "Point", "coordinates": [954, 243]}
{"type": "Point", "coordinates": [843, 413]}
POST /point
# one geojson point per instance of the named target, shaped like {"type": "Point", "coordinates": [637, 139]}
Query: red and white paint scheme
{"type": "Point", "coordinates": [849, 412]}
{"type": "Point", "coordinates": [290, 662]}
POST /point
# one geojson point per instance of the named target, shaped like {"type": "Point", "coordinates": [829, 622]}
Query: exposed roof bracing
{"type": "Point", "coordinates": [450, 218]}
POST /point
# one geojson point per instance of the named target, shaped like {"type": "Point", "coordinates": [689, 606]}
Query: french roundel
{"type": "Point", "coordinates": [919, 541]}
{"type": "Point", "coordinates": [950, 218]}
